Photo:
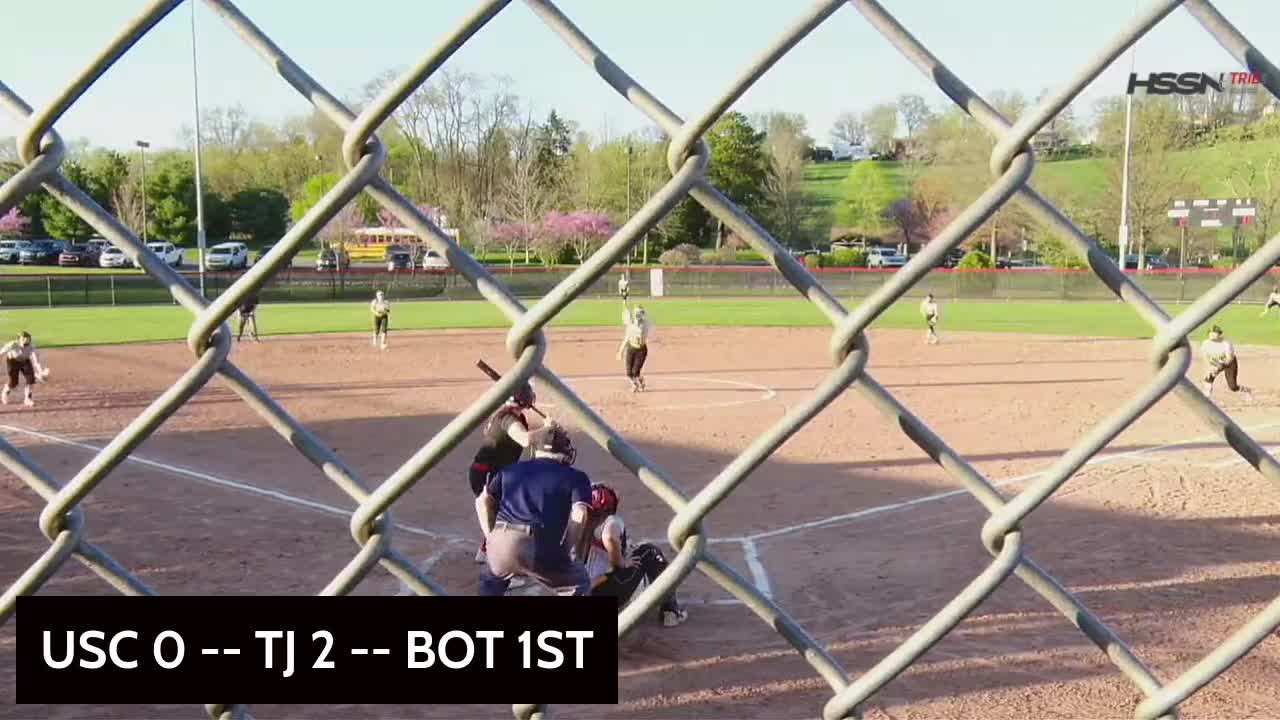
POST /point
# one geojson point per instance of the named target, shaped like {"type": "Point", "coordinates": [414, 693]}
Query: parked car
{"type": "Point", "coordinates": [330, 259]}
{"type": "Point", "coordinates": [227, 256]}
{"type": "Point", "coordinates": [884, 257]}
{"type": "Point", "coordinates": [168, 252]}
{"type": "Point", "coordinates": [114, 257]}
{"type": "Point", "coordinates": [399, 260]}
{"type": "Point", "coordinates": [41, 252]}
{"type": "Point", "coordinates": [79, 255]}
{"type": "Point", "coordinates": [10, 250]}
{"type": "Point", "coordinates": [100, 244]}
{"type": "Point", "coordinates": [953, 257]}
{"type": "Point", "coordinates": [431, 260]}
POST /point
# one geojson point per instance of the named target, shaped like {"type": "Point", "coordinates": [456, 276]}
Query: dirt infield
{"type": "Point", "coordinates": [1164, 536]}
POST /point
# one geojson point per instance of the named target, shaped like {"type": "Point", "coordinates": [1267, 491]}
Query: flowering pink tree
{"type": "Point", "coordinates": [512, 236]}
{"type": "Point", "coordinates": [13, 223]}
{"type": "Point", "coordinates": [583, 230]}
{"type": "Point", "coordinates": [387, 219]}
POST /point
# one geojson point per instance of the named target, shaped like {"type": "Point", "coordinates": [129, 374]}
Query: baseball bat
{"type": "Point", "coordinates": [495, 376]}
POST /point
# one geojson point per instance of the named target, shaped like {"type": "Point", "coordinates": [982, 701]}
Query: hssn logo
{"type": "Point", "coordinates": [1189, 83]}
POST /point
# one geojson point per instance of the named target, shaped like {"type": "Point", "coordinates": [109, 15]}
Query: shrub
{"type": "Point", "coordinates": [815, 261]}
{"type": "Point", "coordinates": [726, 255]}
{"type": "Point", "coordinates": [681, 256]}
{"type": "Point", "coordinates": [975, 259]}
{"type": "Point", "coordinates": [848, 257]}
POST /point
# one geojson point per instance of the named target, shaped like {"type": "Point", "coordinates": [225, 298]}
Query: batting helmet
{"type": "Point", "coordinates": [524, 396]}
{"type": "Point", "coordinates": [557, 442]}
{"type": "Point", "coordinates": [603, 499]}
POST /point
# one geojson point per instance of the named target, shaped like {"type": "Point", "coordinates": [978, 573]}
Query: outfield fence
{"type": "Point", "coordinates": [62, 519]}
{"type": "Point", "coordinates": [359, 285]}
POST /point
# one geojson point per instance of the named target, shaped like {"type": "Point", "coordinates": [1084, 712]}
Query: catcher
{"type": "Point", "coordinates": [635, 345]}
{"type": "Point", "coordinates": [1273, 300]}
{"type": "Point", "coordinates": [1220, 355]}
{"type": "Point", "coordinates": [506, 435]}
{"type": "Point", "coordinates": [929, 309]}
{"type": "Point", "coordinates": [616, 571]}
{"type": "Point", "coordinates": [21, 359]}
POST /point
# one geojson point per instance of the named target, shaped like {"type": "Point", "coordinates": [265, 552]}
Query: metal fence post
{"type": "Point", "coordinates": [48, 289]}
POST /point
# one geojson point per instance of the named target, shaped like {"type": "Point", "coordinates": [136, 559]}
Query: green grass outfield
{"type": "Point", "coordinates": [59, 327]}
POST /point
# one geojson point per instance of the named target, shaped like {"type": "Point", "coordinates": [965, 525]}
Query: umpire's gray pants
{"type": "Point", "coordinates": [512, 551]}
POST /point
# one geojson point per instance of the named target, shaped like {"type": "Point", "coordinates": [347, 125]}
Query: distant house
{"type": "Point", "coordinates": [844, 151]}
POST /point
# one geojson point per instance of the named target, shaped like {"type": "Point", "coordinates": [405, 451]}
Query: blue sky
{"type": "Point", "coordinates": [685, 51]}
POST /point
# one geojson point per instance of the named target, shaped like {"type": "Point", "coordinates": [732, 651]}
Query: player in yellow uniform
{"type": "Point", "coordinates": [1273, 300]}
{"type": "Point", "coordinates": [929, 309]}
{"type": "Point", "coordinates": [1220, 355]}
{"type": "Point", "coordinates": [635, 344]}
{"type": "Point", "coordinates": [381, 309]}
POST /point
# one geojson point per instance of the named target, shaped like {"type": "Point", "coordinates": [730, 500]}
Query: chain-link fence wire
{"type": "Point", "coordinates": [62, 521]}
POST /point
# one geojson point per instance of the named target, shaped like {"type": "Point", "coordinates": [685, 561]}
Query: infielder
{"type": "Point", "coordinates": [1220, 355]}
{"type": "Point", "coordinates": [21, 359]}
{"type": "Point", "coordinates": [616, 572]}
{"type": "Point", "coordinates": [635, 345]}
{"type": "Point", "coordinates": [249, 317]}
{"type": "Point", "coordinates": [381, 309]}
{"type": "Point", "coordinates": [533, 515]}
{"type": "Point", "coordinates": [1273, 300]}
{"type": "Point", "coordinates": [505, 436]}
{"type": "Point", "coordinates": [929, 309]}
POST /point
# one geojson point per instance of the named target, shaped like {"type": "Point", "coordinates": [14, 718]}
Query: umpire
{"type": "Point", "coordinates": [533, 515]}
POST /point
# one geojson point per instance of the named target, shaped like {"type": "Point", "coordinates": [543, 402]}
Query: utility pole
{"type": "Point", "coordinates": [142, 152]}
{"type": "Point", "coordinates": [630, 255]}
{"type": "Point", "coordinates": [1124, 182]}
{"type": "Point", "coordinates": [195, 91]}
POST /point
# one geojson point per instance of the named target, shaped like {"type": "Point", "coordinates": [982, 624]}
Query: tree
{"type": "Point", "coordinates": [1258, 177]}
{"type": "Point", "coordinates": [906, 218]}
{"type": "Point", "coordinates": [59, 220]}
{"type": "Point", "coordinates": [866, 194]}
{"type": "Point", "coordinates": [261, 214]}
{"type": "Point", "coordinates": [739, 168]}
{"type": "Point", "coordinates": [584, 231]}
{"type": "Point", "coordinates": [882, 126]}
{"type": "Point", "coordinates": [513, 236]}
{"type": "Point", "coordinates": [793, 212]}
{"type": "Point", "coordinates": [915, 113]}
{"type": "Point", "coordinates": [849, 129]}
{"type": "Point", "coordinates": [1156, 177]}
{"type": "Point", "coordinates": [171, 201]}
{"type": "Point", "coordinates": [341, 228]}
{"type": "Point", "coordinates": [13, 223]}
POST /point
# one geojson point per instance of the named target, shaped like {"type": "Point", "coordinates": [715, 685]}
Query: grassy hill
{"type": "Point", "coordinates": [1089, 179]}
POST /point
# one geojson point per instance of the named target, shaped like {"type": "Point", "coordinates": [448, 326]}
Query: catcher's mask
{"type": "Point", "coordinates": [557, 443]}
{"type": "Point", "coordinates": [524, 396]}
{"type": "Point", "coordinates": [604, 500]}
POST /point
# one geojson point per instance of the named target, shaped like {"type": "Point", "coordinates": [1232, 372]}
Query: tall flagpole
{"type": "Point", "coordinates": [195, 91]}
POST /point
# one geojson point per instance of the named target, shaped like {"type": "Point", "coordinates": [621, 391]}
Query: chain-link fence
{"type": "Point", "coordinates": [300, 286]}
{"type": "Point", "coordinates": [62, 520]}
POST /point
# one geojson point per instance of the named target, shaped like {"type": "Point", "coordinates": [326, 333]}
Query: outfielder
{"type": "Point", "coordinates": [533, 515]}
{"type": "Point", "coordinates": [381, 309]}
{"type": "Point", "coordinates": [1273, 300]}
{"type": "Point", "coordinates": [929, 309]}
{"type": "Point", "coordinates": [505, 436]}
{"type": "Point", "coordinates": [21, 359]}
{"type": "Point", "coordinates": [635, 345]}
{"type": "Point", "coordinates": [624, 288]}
{"type": "Point", "coordinates": [1220, 355]}
{"type": "Point", "coordinates": [249, 316]}
{"type": "Point", "coordinates": [616, 572]}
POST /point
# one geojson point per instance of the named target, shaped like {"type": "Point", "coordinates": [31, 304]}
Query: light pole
{"type": "Point", "coordinates": [142, 152]}
{"type": "Point", "coordinates": [1124, 181]}
{"type": "Point", "coordinates": [195, 91]}
{"type": "Point", "coordinates": [630, 255]}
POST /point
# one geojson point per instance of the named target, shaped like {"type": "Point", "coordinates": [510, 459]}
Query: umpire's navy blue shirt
{"type": "Point", "coordinates": [540, 493]}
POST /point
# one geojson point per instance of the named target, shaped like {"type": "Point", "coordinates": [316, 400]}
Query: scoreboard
{"type": "Point", "coordinates": [1213, 213]}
